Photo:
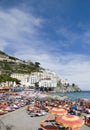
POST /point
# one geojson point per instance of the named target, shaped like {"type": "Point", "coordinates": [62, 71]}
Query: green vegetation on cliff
{"type": "Point", "coordinates": [10, 65]}
{"type": "Point", "coordinates": [4, 78]}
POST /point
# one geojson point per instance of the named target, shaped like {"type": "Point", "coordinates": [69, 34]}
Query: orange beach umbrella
{"type": "Point", "coordinates": [58, 111]}
{"type": "Point", "coordinates": [70, 121]}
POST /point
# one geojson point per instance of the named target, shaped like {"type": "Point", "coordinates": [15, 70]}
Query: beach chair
{"type": "Point", "coordinates": [48, 118]}
{"type": "Point", "coordinates": [88, 122]}
{"type": "Point", "coordinates": [44, 126]}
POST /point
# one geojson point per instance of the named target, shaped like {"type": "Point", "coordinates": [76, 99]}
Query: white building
{"type": "Point", "coordinates": [24, 78]}
{"type": "Point", "coordinates": [50, 83]}
{"type": "Point", "coordinates": [46, 78]}
{"type": "Point", "coordinates": [64, 82]}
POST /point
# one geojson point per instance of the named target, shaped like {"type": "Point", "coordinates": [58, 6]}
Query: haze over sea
{"type": "Point", "coordinates": [76, 95]}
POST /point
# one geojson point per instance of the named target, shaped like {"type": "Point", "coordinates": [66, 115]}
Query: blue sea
{"type": "Point", "coordinates": [76, 95]}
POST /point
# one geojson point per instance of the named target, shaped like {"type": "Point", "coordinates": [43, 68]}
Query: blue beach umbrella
{"type": "Point", "coordinates": [74, 107]}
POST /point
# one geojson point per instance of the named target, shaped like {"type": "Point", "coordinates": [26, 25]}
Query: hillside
{"type": "Point", "coordinates": [9, 64]}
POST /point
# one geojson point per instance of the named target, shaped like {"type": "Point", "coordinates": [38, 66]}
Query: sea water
{"type": "Point", "coordinates": [76, 95]}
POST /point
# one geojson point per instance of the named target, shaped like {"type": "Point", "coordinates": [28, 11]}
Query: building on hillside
{"type": "Point", "coordinates": [64, 82]}
{"type": "Point", "coordinates": [24, 78]}
{"type": "Point", "coordinates": [46, 78]}
{"type": "Point", "coordinates": [33, 78]}
{"type": "Point", "coordinates": [48, 83]}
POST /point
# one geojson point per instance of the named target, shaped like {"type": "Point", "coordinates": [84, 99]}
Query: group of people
{"type": "Point", "coordinates": [78, 108]}
{"type": "Point", "coordinates": [38, 106]}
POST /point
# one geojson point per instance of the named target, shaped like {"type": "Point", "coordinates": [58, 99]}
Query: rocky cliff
{"type": "Point", "coordinates": [69, 88]}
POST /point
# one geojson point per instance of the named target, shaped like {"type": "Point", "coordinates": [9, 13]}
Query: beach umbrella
{"type": "Point", "coordinates": [74, 107]}
{"type": "Point", "coordinates": [70, 121]}
{"type": "Point", "coordinates": [58, 111]}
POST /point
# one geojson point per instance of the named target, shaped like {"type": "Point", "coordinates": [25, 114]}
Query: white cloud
{"type": "Point", "coordinates": [75, 68]}
{"type": "Point", "coordinates": [15, 24]}
{"type": "Point", "coordinates": [20, 31]}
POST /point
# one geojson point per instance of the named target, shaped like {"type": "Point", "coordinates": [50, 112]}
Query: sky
{"type": "Point", "coordinates": [55, 33]}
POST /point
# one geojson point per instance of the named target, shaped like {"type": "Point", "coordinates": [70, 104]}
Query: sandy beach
{"type": "Point", "coordinates": [20, 120]}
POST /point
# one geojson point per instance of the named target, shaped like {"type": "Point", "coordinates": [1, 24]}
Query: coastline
{"type": "Point", "coordinates": [74, 95]}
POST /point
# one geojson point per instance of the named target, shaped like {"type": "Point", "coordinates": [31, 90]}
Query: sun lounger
{"type": "Point", "coordinates": [88, 122]}
{"type": "Point", "coordinates": [33, 114]}
{"type": "Point", "coordinates": [44, 126]}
